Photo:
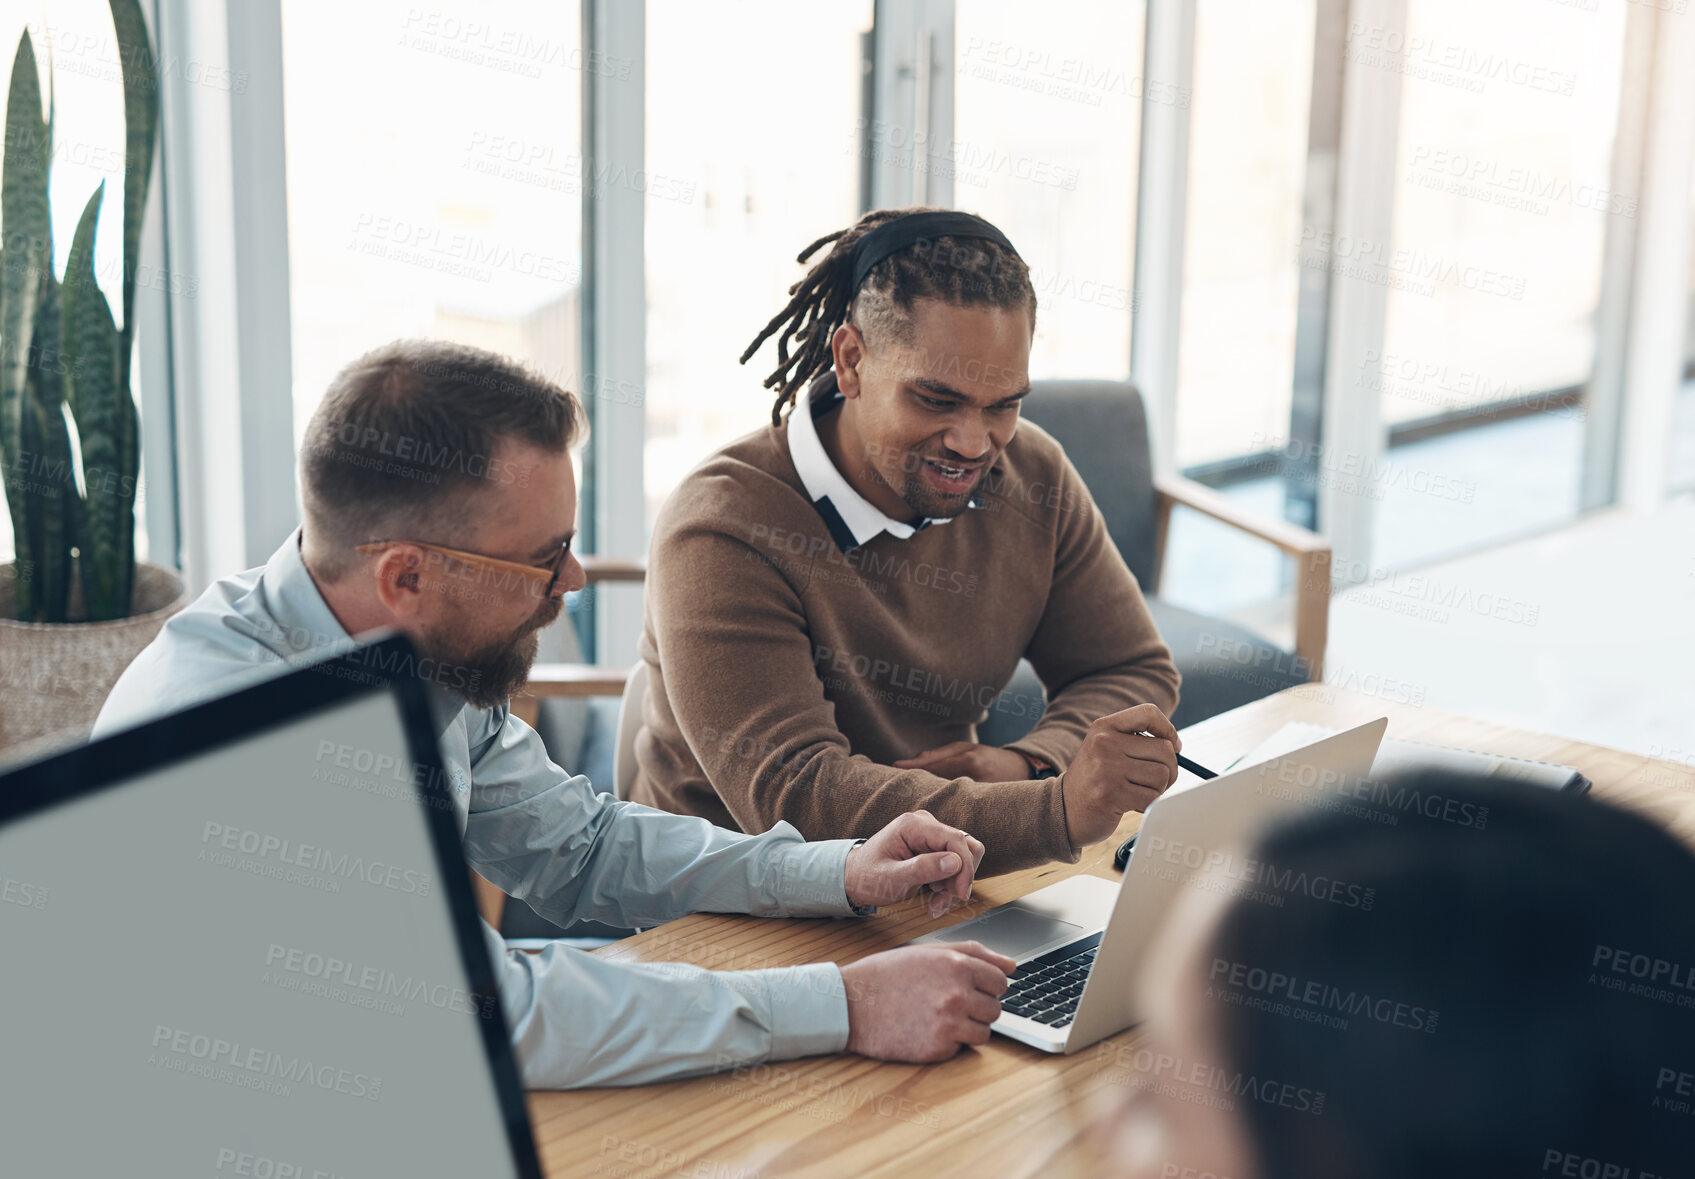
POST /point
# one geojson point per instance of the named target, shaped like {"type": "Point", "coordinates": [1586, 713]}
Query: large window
{"type": "Point", "coordinates": [1508, 115]}
{"type": "Point", "coordinates": [1047, 127]}
{"type": "Point", "coordinates": [434, 180]}
{"type": "Point", "coordinates": [752, 153]}
{"type": "Point", "coordinates": [1502, 196]}
{"type": "Point", "coordinates": [1236, 335]}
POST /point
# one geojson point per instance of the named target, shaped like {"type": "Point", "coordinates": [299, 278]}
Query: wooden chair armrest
{"type": "Point", "coordinates": [1291, 538]}
{"type": "Point", "coordinates": [575, 680]}
{"type": "Point", "coordinates": [598, 568]}
{"type": "Point", "coordinates": [566, 681]}
{"type": "Point", "coordinates": [1311, 551]}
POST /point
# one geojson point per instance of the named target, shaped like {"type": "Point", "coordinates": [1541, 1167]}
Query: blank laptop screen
{"type": "Point", "coordinates": [243, 964]}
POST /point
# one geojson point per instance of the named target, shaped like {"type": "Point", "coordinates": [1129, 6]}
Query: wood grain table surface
{"type": "Point", "coordinates": [1004, 1109]}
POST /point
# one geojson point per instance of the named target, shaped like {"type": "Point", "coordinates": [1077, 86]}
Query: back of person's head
{"type": "Point", "coordinates": [1518, 996]}
{"type": "Point", "coordinates": [961, 271]}
{"type": "Point", "coordinates": [408, 435]}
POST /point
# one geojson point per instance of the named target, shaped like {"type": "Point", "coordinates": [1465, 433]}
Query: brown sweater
{"type": "Point", "coordinates": [784, 675]}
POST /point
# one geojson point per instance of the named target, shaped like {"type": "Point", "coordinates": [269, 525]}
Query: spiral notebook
{"type": "Point", "coordinates": [1396, 754]}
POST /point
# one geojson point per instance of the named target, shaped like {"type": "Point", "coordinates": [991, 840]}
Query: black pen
{"type": "Point", "coordinates": [1194, 767]}
{"type": "Point", "coordinates": [1122, 856]}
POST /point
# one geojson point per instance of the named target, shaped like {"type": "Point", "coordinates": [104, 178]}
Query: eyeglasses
{"type": "Point", "coordinates": [530, 573]}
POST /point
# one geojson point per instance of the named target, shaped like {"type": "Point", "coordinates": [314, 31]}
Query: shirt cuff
{"type": "Point", "coordinates": [813, 880]}
{"type": "Point", "coordinates": [809, 1014]}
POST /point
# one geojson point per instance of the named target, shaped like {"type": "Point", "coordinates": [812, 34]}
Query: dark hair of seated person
{"type": "Point", "coordinates": [1543, 1060]}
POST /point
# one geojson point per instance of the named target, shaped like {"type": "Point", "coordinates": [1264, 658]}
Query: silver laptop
{"type": "Point", "coordinates": [240, 940]}
{"type": "Point", "coordinates": [1078, 942]}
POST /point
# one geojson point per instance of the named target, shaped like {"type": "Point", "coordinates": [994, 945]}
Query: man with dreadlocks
{"type": "Point", "coordinates": [834, 601]}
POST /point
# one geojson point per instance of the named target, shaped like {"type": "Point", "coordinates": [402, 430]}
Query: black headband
{"type": "Point", "coordinates": [902, 232]}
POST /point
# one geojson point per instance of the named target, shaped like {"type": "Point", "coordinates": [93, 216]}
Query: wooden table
{"type": "Point", "coordinates": [1001, 1110]}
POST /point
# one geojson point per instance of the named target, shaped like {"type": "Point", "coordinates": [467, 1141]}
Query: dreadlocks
{"type": "Point", "coordinates": [961, 271]}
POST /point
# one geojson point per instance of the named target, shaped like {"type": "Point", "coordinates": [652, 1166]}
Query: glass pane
{"type": "Point", "coordinates": [1683, 409]}
{"type": "Point", "coordinates": [1047, 131]}
{"type": "Point", "coordinates": [75, 45]}
{"type": "Point", "coordinates": [1508, 115]}
{"type": "Point", "coordinates": [1247, 174]}
{"type": "Point", "coordinates": [1236, 335]}
{"type": "Point", "coordinates": [434, 180]}
{"type": "Point", "coordinates": [752, 152]}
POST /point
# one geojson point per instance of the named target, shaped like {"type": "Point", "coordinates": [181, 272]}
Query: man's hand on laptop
{"type": "Point", "coordinates": [967, 759]}
{"type": "Point", "coordinates": [920, 1003]}
{"type": "Point", "coordinates": [915, 853]}
{"type": "Point", "coordinates": [1127, 760]}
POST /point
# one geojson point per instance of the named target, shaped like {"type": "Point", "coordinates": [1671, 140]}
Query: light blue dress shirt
{"type": "Point", "coordinates": [570, 852]}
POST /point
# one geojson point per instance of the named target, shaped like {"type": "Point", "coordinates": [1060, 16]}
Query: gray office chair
{"type": "Point", "coordinates": [1104, 430]}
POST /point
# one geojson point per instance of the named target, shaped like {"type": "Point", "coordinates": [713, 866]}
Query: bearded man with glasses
{"type": "Point", "coordinates": [438, 500]}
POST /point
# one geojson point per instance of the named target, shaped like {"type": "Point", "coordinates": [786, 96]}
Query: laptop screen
{"type": "Point", "coordinates": [245, 963]}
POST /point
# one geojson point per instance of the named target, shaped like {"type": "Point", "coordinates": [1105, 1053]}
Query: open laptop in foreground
{"type": "Point", "coordinates": [240, 940]}
{"type": "Point", "coordinates": [1078, 942]}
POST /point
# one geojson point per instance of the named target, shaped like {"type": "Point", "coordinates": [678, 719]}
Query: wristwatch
{"type": "Point", "coordinates": [1039, 768]}
{"type": "Point", "coordinates": [859, 910]}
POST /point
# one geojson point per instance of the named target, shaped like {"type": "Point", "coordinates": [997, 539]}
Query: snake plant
{"type": "Point", "coordinates": [62, 351]}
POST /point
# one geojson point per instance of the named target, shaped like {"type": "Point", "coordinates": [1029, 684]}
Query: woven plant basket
{"type": "Point", "coordinates": [55, 676]}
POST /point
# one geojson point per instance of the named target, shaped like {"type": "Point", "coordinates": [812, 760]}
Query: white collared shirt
{"type": "Point", "coordinates": [853, 520]}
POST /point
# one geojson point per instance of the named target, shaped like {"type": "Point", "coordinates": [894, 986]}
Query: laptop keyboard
{"type": "Point", "coordinates": [1047, 989]}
